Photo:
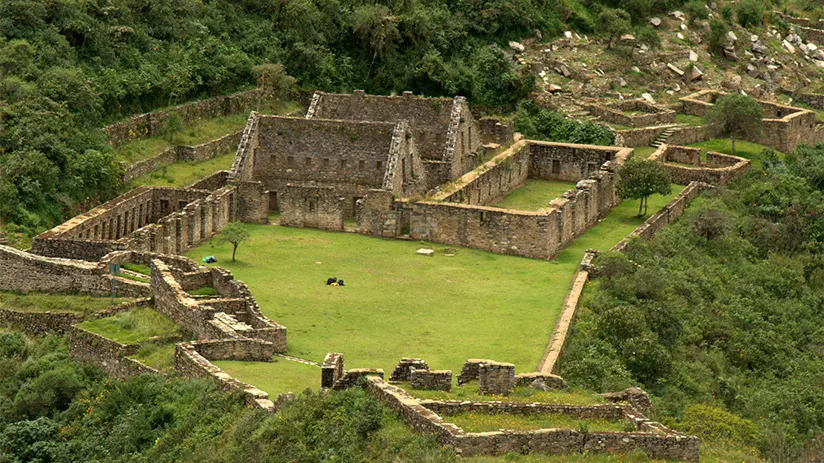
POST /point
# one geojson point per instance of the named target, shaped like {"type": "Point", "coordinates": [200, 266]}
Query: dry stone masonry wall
{"type": "Point", "coordinates": [434, 380]}
{"type": "Point", "coordinates": [684, 165]}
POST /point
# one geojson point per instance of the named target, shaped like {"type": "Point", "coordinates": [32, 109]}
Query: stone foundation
{"type": "Point", "coordinates": [496, 378]}
{"type": "Point", "coordinates": [401, 373]}
{"type": "Point", "coordinates": [331, 370]}
{"type": "Point", "coordinates": [434, 380]}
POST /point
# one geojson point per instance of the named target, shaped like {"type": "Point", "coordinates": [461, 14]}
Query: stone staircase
{"type": "Point", "coordinates": [3, 239]}
{"type": "Point", "coordinates": [662, 137]}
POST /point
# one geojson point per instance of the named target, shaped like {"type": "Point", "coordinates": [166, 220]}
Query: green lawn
{"type": "Point", "coordinates": [132, 326]}
{"type": "Point", "coordinates": [185, 172]}
{"type": "Point", "coordinates": [534, 195]}
{"type": "Point", "coordinates": [274, 377]}
{"type": "Point", "coordinates": [158, 355]}
{"type": "Point", "coordinates": [689, 119]}
{"type": "Point", "coordinates": [744, 149]}
{"type": "Point", "coordinates": [485, 422]}
{"type": "Point", "coordinates": [643, 152]}
{"type": "Point", "coordinates": [39, 302]}
{"type": "Point", "coordinates": [397, 303]}
{"type": "Point", "coordinates": [522, 395]}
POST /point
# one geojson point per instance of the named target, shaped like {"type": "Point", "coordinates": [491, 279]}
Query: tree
{"type": "Point", "coordinates": [750, 13]}
{"type": "Point", "coordinates": [642, 178]}
{"type": "Point", "coordinates": [696, 9]}
{"type": "Point", "coordinates": [613, 22]}
{"type": "Point", "coordinates": [377, 30]}
{"type": "Point", "coordinates": [274, 80]}
{"type": "Point", "coordinates": [718, 34]}
{"type": "Point", "coordinates": [734, 116]}
{"type": "Point", "coordinates": [233, 233]}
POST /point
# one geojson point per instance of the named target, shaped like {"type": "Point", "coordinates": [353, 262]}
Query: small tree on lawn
{"type": "Point", "coordinates": [734, 116]}
{"type": "Point", "coordinates": [613, 22]}
{"type": "Point", "coordinates": [642, 178]}
{"type": "Point", "coordinates": [233, 233]}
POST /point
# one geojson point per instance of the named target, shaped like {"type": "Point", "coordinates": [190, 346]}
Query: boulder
{"type": "Point", "coordinates": [426, 252]}
{"type": "Point", "coordinates": [730, 54]}
{"type": "Point", "coordinates": [621, 82]}
{"type": "Point", "coordinates": [553, 88]}
{"type": "Point", "coordinates": [568, 34]}
{"type": "Point", "coordinates": [789, 47]}
{"type": "Point", "coordinates": [732, 37]}
{"type": "Point", "coordinates": [655, 22]}
{"type": "Point", "coordinates": [675, 69]}
{"type": "Point", "coordinates": [648, 98]}
{"type": "Point", "coordinates": [696, 74]}
{"type": "Point", "coordinates": [693, 56]}
{"type": "Point", "coordinates": [539, 385]}
{"type": "Point", "coordinates": [759, 48]}
{"type": "Point", "coordinates": [517, 46]}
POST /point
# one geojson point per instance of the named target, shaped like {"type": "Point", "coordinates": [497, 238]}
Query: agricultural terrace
{"type": "Point", "coordinates": [396, 303]}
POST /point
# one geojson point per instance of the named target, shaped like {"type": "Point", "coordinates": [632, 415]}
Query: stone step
{"type": "Point", "coordinates": [232, 322]}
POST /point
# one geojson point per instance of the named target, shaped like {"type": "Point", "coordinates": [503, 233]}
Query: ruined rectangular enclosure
{"type": "Point", "coordinates": [784, 127]}
{"type": "Point", "coordinates": [461, 214]}
{"type": "Point", "coordinates": [632, 113]}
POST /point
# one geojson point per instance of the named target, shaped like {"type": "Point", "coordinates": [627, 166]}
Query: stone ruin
{"type": "Point", "coordinates": [433, 380]}
{"type": "Point", "coordinates": [401, 373]}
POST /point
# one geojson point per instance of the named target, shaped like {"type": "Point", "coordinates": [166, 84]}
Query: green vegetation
{"type": "Point", "coordinates": [158, 355]}
{"type": "Point", "coordinates": [534, 195]}
{"type": "Point", "coordinates": [734, 116]}
{"type": "Point", "coordinates": [274, 377]}
{"type": "Point", "coordinates": [138, 268]}
{"type": "Point", "coordinates": [199, 132]}
{"type": "Point", "coordinates": [234, 234]}
{"type": "Point", "coordinates": [469, 308]}
{"type": "Point", "coordinates": [39, 302]}
{"type": "Point", "coordinates": [689, 119]}
{"type": "Point", "coordinates": [185, 173]}
{"type": "Point", "coordinates": [613, 22]}
{"type": "Point", "coordinates": [720, 310]}
{"type": "Point", "coordinates": [756, 153]}
{"type": "Point", "coordinates": [642, 178]}
{"type": "Point", "coordinates": [643, 152]}
{"type": "Point", "coordinates": [203, 291]}
{"type": "Point", "coordinates": [132, 326]}
{"type": "Point", "coordinates": [55, 410]}
{"type": "Point", "coordinates": [469, 391]}
{"type": "Point", "coordinates": [484, 422]}
{"type": "Point", "coordinates": [542, 124]}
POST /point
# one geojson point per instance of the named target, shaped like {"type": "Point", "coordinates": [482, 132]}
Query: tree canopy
{"type": "Point", "coordinates": [736, 116]}
{"type": "Point", "coordinates": [234, 233]}
{"type": "Point", "coordinates": [641, 178]}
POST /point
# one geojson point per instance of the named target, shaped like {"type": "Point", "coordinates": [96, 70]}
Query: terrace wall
{"type": "Point", "coordinates": [40, 323]}
{"type": "Point", "coordinates": [570, 163]}
{"type": "Point", "coordinates": [494, 180]}
{"type": "Point", "coordinates": [615, 112]}
{"type": "Point", "coordinates": [198, 153]}
{"type": "Point", "coordinates": [24, 272]}
{"type": "Point", "coordinates": [312, 207]}
{"type": "Point", "coordinates": [685, 166]}
{"type": "Point", "coordinates": [154, 123]}
{"type": "Point", "coordinates": [111, 356]}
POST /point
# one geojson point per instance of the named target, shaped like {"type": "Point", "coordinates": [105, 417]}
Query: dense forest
{"type": "Point", "coordinates": [68, 67]}
{"type": "Point", "coordinates": [719, 316]}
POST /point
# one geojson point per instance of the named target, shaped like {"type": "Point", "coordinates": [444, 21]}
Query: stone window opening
{"type": "Point", "coordinates": [290, 160]}
{"type": "Point", "coordinates": [307, 161]}
{"type": "Point", "coordinates": [483, 216]}
{"type": "Point", "coordinates": [379, 165]}
{"type": "Point", "coordinates": [343, 163]}
{"type": "Point", "coordinates": [592, 167]}
{"type": "Point", "coordinates": [325, 162]}
{"type": "Point", "coordinates": [556, 166]}
{"type": "Point", "coordinates": [361, 164]}
{"type": "Point", "coordinates": [311, 206]}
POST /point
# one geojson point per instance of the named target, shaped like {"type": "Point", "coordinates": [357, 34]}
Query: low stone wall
{"type": "Point", "coordinates": [687, 135]}
{"type": "Point", "coordinates": [154, 123]}
{"type": "Point", "coordinates": [495, 130]}
{"type": "Point", "coordinates": [471, 370]}
{"type": "Point", "coordinates": [614, 112]}
{"type": "Point", "coordinates": [403, 369]}
{"type": "Point", "coordinates": [213, 182]}
{"type": "Point", "coordinates": [39, 323]}
{"type": "Point", "coordinates": [111, 356]}
{"type": "Point", "coordinates": [433, 380]}
{"type": "Point", "coordinates": [552, 381]}
{"type": "Point", "coordinates": [331, 370]}
{"type": "Point", "coordinates": [496, 378]}
{"type": "Point", "coordinates": [191, 364]}
{"type": "Point", "coordinates": [658, 442]}
{"type": "Point", "coordinates": [667, 215]}
{"type": "Point", "coordinates": [685, 166]}
{"type": "Point", "coordinates": [353, 377]}
{"type": "Point", "coordinates": [199, 153]}
{"type": "Point", "coordinates": [24, 272]}
{"type": "Point", "coordinates": [454, 407]}
{"type": "Point", "coordinates": [249, 350]}
{"type": "Point", "coordinates": [634, 138]}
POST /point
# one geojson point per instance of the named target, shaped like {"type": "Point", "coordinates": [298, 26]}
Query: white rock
{"type": "Point", "coordinates": [621, 82]}
{"type": "Point", "coordinates": [674, 69]}
{"type": "Point", "coordinates": [789, 47]}
{"type": "Point", "coordinates": [680, 36]}
{"type": "Point", "coordinates": [627, 38]}
{"type": "Point", "coordinates": [517, 46]}
{"type": "Point", "coordinates": [683, 27]}
{"type": "Point", "coordinates": [635, 69]}
{"type": "Point", "coordinates": [554, 88]}
{"type": "Point", "coordinates": [812, 47]}
{"type": "Point", "coordinates": [648, 97]}
{"type": "Point", "coordinates": [693, 56]}
{"type": "Point", "coordinates": [731, 36]}
{"type": "Point", "coordinates": [426, 252]}
{"type": "Point", "coordinates": [568, 34]}
{"type": "Point", "coordinates": [655, 22]}
{"type": "Point", "coordinates": [753, 38]}
{"type": "Point", "coordinates": [696, 73]}
{"type": "Point", "coordinates": [678, 15]}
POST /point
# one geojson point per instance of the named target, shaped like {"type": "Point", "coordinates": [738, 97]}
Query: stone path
{"type": "Point", "coordinates": [297, 359]}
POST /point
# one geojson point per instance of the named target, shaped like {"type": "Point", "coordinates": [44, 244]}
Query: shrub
{"type": "Point", "coordinates": [714, 423]}
{"type": "Point", "coordinates": [648, 36]}
{"type": "Point", "coordinates": [750, 13]}
{"type": "Point", "coordinates": [727, 12]}
{"type": "Point", "coordinates": [718, 35]}
{"type": "Point", "coordinates": [696, 9]}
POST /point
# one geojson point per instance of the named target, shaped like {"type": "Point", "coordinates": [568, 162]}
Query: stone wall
{"type": "Point", "coordinates": [496, 378]}
{"type": "Point", "coordinates": [685, 166]}
{"type": "Point", "coordinates": [191, 364]}
{"type": "Point", "coordinates": [492, 181]}
{"type": "Point", "coordinates": [656, 442]}
{"type": "Point", "coordinates": [433, 380]}
{"type": "Point", "coordinates": [471, 370]}
{"type": "Point", "coordinates": [40, 323]}
{"type": "Point", "coordinates": [402, 370]}
{"type": "Point", "coordinates": [496, 131]}
{"type": "Point", "coordinates": [111, 356]}
{"type": "Point", "coordinates": [311, 207]}
{"type": "Point", "coordinates": [198, 153]}
{"type": "Point", "coordinates": [570, 163]}
{"type": "Point", "coordinates": [688, 135]}
{"type": "Point", "coordinates": [378, 214]}
{"type": "Point", "coordinates": [454, 407]}
{"type": "Point", "coordinates": [784, 127]}
{"type": "Point", "coordinates": [213, 182]}
{"type": "Point", "coordinates": [634, 138]}
{"type": "Point", "coordinates": [617, 112]}
{"type": "Point", "coordinates": [552, 381]}
{"type": "Point", "coordinates": [24, 272]}
{"type": "Point", "coordinates": [331, 370]}
{"type": "Point", "coordinates": [154, 123]}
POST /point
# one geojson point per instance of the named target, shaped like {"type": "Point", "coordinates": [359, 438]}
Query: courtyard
{"type": "Point", "coordinates": [396, 303]}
